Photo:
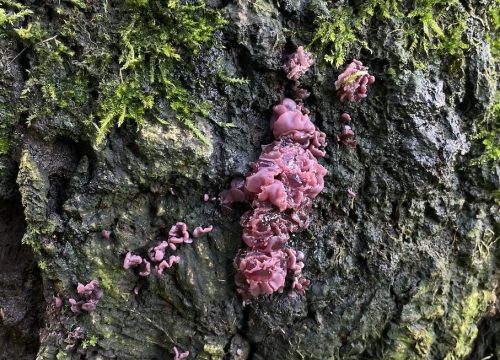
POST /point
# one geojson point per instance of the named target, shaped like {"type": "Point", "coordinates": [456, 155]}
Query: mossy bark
{"type": "Point", "coordinates": [406, 271]}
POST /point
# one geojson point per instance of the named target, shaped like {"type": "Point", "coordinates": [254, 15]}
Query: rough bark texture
{"type": "Point", "coordinates": [405, 272]}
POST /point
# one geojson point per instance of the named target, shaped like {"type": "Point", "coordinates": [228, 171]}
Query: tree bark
{"type": "Point", "coordinates": [406, 270]}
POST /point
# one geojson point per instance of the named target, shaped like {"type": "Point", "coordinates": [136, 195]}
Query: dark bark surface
{"type": "Point", "coordinates": [408, 270]}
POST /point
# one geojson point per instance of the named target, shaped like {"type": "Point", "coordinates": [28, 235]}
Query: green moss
{"type": "Point", "coordinates": [105, 269]}
{"type": "Point", "coordinates": [89, 342]}
{"type": "Point", "coordinates": [488, 128]}
{"type": "Point", "coordinates": [61, 355]}
{"type": "Point", "coordinates": [345, 26]}
{"type": "Point", "coordinates": [156, 45]}
{"type": "Point", "coordinates": [336, 34]}
{"type": "Point", "coordinates": [463, 322]}
{"type": "Point", "coordinates": [11, 13]}
{"type": "Point", "coordinates": [8, 119]}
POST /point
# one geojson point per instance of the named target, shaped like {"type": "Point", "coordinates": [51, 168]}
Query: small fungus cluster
{"type": "Point", "coordinates": [90, 295]}
{"type": "Point", "coordinates": [177, 235]}
{"type": "Point", "coordinates": [352, 83]}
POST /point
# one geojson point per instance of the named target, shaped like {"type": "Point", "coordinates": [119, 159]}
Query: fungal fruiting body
{"type": "Point", "coordinates": [178, 234]}
{"type": "Point", "coordinates": [179, 355]}
{"type": "Point", "coordinates": [352, 83]}
{"type": "Point", "coordinates": [90, 295]}
{"type": "Point", "coordinates": [200, 231]}
{"type": "Point", "coordinates": [298, 63]}
{"type": "Point", "coordinates": [280, 186]}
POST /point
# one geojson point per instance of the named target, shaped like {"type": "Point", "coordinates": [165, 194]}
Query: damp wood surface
{"type": "Point", "coordinates": [121, 115]}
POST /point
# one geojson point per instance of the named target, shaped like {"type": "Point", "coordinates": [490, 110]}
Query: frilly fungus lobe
{"type": "Point", "coordinates": [352, 83]}
{"type": "Point", "coordinates": [281, 186]}
{"type": "Point", "coordinates": [298, 63]}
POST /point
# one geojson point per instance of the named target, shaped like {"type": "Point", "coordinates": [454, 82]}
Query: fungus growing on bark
{"type": "Point", "coordinates": [298, 63]}
{"type": "Point", "coordinates": [167, 264]}
{"type": "Point", "coordinates": [57, 301]}
{"type": "Point", "coordinates": [158, 252]}
{"type": "Point", "coordinates": [106, 234]}
{"type": "Point", "coordinates": [131, 261]}
{"type": "Point", "coordinates": [135, 261]}
{"type": "Point", "coordinates": [353, 81]}
{"type": "Point", "coordinates": [90, 295]}
{"type": "Point", "coordinates": [260, 273]}
{"type": "Point", "coordinates": [346, 136]}
{"type": "Point", "coordinates": [200, 231]}
{"type": "Point", "coordinates": [346, 118]}
{"type": "Point", "coordinates": [179, 355]}
{"type": "Point", "coordinates": [144, 268]}
{"type": "Point", "coordinates": [178, 234]}
{"type": "Point", "coordinates": [281, 186]}
{"type": "Point", "coordinates": [235, 193]}
{"type": "Point", "coordinates": [265, 228]}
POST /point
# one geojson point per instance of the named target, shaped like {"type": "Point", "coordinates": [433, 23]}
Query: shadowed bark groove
{"type": "Point", "coordinates": [21, 299]}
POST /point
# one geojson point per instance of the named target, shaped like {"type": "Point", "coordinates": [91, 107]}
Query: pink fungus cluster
{"type": "Point", "coordinates": [280, 186]}
{"type": "Point", "coordinates": [352, 83]}
{"type": "Point", "coordinates": [89, 294]}
{"type": "Point", "coordinates": [298, 63]}
{"type": "Point", "coordinates": [177, 235]}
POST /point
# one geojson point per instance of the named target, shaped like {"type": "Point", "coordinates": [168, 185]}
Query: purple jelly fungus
{"type": "Point", "coordinates": [157, 253]}
{"type": "Point", "coordinates": [144, 268]}
{"type": "Point", "coordinates": [298, 63]}
{"type": "Point", "coordinates": [346, 136]}
{"type": "Point", "coordinates": [89, 294]}
{"type": "Point", "coordinates": [75, 305]}
{"type": "Point", "coordinates": [131, 261]}
{"type": "Point", "coordinates": [352, 83]}
{"type": "Point", "coordinates": [179, 355]}
{"type": "Point", "coordinates": [346, 118]}
{"type": "Point", "coordinates": [260, 273]}
{"type": "Point", "coordinates": [57, 301]}
{"type": "Point", "coordinates": [281, 186]}
{"type": "Point", "coordinates": [167, 264]}
{"type": "Point", "coordinates": [106, 234]}
{"type": "Point", "coordinates": [235, 193]}
{"type": "Point", "coordinates": [178, 234]}
{"type": "Point", "coordinates": [200, 231]}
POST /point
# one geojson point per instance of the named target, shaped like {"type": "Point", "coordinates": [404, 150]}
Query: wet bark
{"type": "Point", "coordinates": [408, 270]}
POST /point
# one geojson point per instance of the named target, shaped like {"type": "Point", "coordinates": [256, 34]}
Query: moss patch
{"type": "Point", "coordinates": [344, 26]}
{"type": "Point", "coordinates": [71, 59]}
